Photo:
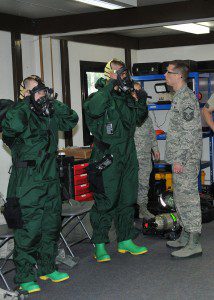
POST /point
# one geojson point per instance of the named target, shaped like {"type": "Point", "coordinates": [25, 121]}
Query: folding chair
{"type": "Point", "coordinates": [6, 234]}
{"type": "Point", "coordinates": [73, 210]}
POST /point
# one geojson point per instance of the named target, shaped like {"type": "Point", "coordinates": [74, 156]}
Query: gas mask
{"type": "Point", "coordinates": [126, 84]}
{"type": "Point", "coordinates": [44, 105]}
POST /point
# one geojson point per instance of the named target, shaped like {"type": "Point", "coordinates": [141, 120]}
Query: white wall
{"type": "Point", "coordinates": [6, 92]}
{"type": "Point", "coordinates": [52, 71]}
{"type": "Point", "coordinates": [200, 52]}
{"type": "Point", "coordinates": [78, 52]}
{"type": "Point", "coordinates": [134, 56]}
{"type": "Point", "coordinates": [30, 55]}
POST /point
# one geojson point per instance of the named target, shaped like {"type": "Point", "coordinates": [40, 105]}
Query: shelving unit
{"type": "Point", "coordinates": [154, 107]}
{"type": "Point", "coordinates": [159, 106]}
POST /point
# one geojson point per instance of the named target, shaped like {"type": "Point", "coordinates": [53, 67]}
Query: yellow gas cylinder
{"type": "Point", "coordinates": [167, 177]}
{"type": "Point", "coordinates": [203, 174]}
{"type": "Point", "coordinates": [159, 176]}
{"type": "Point", "coordinates": [169, 181]}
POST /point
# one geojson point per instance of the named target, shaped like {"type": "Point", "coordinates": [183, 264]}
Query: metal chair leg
{"type": "Point", "coordinates": [66, 244]}
{"type": "Point", "coordinates": [4, 263]}
{"type": "Point", "coordinates": [84, 228]}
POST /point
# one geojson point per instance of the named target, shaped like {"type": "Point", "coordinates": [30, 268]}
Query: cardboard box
{"type": "Point", "coordinates": [77, 152]}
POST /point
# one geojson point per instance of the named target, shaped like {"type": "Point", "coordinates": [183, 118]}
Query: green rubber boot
{"type": "Point", "coordinates": [129, 246]}
{"type": "Point", "coordinates": [181, 241]}
{"type": "Point", "coordinates": [192, 249]}
{"type": "Point", "coordinates": [100, 253]}
{"type": "Point", "coordinates": [55, 276]}
{"type": "Point", "coordinates": [30, 287]}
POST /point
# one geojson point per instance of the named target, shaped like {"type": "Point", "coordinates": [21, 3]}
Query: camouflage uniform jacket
{"type": "Point", "coordinates": [184, 135]}
{"type": "Point", "coordinates": [210, 102]}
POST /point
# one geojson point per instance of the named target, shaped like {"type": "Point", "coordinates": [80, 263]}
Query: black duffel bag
{"type": "Point", "coordinates": [94, 171]}
{"type": "Point", "coordinates": [12, 213]}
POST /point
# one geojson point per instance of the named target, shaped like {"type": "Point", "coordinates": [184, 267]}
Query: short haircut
{"type": "Point", "coordinates": [27, 82]}
{"type": "Point", "coordinates": [30, 78]}
{"type": "Point", "coordinates": [181, 66]}
{"type": "Point", "coordinates": [117, 62]}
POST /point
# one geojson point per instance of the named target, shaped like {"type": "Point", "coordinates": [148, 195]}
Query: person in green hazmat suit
{"type": "Point", "coordinates": [30, 129]}
{"type": "Point", "coordinates": [112, 114]}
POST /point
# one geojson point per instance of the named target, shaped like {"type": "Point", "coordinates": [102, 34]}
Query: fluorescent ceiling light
{"type": "Point", "coordinates": [102, 4]}
{"type": "Point", "coordinates": [191, 28]}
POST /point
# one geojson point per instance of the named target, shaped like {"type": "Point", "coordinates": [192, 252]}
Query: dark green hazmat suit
{"type": "Point", "coordinates": [35, 181]}
{"type": "Point", "coordinates": [116, 187]}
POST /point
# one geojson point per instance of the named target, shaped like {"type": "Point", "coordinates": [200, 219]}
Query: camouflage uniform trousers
{"type": "Point", "coordinates": [186, 197]}
{"type": "Point", "coordinates": [145, 169]}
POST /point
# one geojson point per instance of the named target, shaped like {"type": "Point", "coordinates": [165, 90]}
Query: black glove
{"type": "Point", "coordinates": [141, 94]}
{"type": "Point", "coordinates": [51, 107]}
{"type": "Point", "coordinates": [113, 81]}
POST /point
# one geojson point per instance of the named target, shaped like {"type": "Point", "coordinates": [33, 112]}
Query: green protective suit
{"type": "Point", "coordinates": [116, 187]}
{"type": "Point", "coordinates": [35, 181]}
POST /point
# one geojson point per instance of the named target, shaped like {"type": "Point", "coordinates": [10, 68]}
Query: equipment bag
{"type": "Point", "coordinates": [94, 171]}
{"type": "Point", "coordinates": [12, 213]}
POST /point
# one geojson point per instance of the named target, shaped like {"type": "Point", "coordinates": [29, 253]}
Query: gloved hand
{"type": "Point", "coordinates": [51, 107]}
{"type": "Point", "coordinates": [113, 81]}
{"type": "Point", "coordinates": [141, 94]}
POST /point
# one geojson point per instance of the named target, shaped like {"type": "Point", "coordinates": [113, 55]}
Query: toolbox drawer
{"type": "Point", "coordinates": [80, 179]}
{"type": "Point", "coordinates": [80, 169]}
{"type": "Point", "coordinates": [84, 197]}
{"type": "Point", "coordinates": [81, 189]}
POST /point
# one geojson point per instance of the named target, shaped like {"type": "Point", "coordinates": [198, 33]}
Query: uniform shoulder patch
{"type": "Point", "coordinates": [188, 113]}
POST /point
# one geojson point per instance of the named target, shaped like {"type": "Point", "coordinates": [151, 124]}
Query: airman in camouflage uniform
{"type": "Point", "coordinates": [183, 151]}
{"type": "Point", "coordinates": [207, 112]}
{"type": "Point", "coordinates": [146, 145]}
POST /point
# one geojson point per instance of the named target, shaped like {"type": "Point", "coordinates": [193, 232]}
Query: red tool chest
{"type": "Point", "coordinates": [74, 178]}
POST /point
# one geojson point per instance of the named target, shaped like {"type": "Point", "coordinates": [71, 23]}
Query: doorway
{"type": "Point", "coordinates": [90, 72]}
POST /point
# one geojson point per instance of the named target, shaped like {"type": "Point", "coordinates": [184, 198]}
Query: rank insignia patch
{"type": "Point", "coordinates": [188, 113]}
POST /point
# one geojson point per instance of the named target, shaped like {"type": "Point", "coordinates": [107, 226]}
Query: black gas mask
{"type": "Point", "coordinates": [44, 105]}
{"type": "Point", "coordinates": [126, 84]}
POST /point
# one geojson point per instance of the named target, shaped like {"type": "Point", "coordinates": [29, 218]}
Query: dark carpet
{"type": "Point", "coordinates": [154, 275]}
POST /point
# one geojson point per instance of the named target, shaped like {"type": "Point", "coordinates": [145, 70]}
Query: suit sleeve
{"type": "Point", "coordinates": [142, 111]}
{"type": "Point", "coordinates": [96, 105]}
{"type": "Point", "coordinates": [67, 118]}
{"type": "Point", "coordinates": [14, 125]}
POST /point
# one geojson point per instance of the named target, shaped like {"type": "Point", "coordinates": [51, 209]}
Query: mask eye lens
{"type": "Point", "coordinates": [42, 93]}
